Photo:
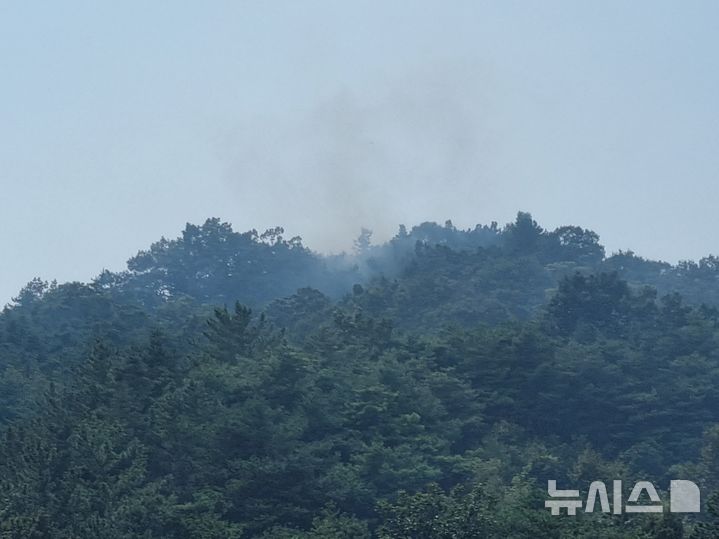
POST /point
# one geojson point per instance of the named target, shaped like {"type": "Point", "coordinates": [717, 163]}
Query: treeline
{"type": "Point", "coordinates": [425, 388]}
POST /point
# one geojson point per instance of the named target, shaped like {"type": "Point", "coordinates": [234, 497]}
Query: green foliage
{"type": "Point", "coordinates": [435, 515]}
{"type": "Point", "coordinates": [461, 370]}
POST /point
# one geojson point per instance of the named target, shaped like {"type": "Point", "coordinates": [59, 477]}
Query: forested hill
{"type": "Point", "coordinates": [242, 385]}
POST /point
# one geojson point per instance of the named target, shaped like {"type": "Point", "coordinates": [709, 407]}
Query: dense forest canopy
{"type": "Point", "coordinates": [242, 385]}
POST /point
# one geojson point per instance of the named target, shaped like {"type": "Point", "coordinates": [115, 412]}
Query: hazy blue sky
{"type": "Point", "coordinates": [121, 121]}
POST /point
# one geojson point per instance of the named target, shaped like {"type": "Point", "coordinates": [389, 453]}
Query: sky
{"type": "Point", "coordinates": [122, 121]}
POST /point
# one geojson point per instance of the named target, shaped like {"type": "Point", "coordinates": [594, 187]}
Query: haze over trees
{"type": "Point", "coordinates": [240, 385]}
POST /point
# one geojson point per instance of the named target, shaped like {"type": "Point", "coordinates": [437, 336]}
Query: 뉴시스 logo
{"type": "Point", "coordinates": [684, 497]}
